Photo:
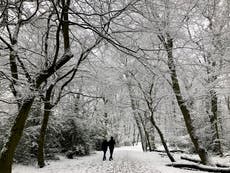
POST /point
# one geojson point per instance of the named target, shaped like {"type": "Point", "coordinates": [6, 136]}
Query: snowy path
{"type": "Point", "coordinates": [125, 161]}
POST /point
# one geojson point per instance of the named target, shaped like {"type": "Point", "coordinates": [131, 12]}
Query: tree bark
{"type": "Point", "coordinates": [201, 151]}
{"type": "Point", "coordinates": [162, 139]}
{"type": "Point", "coordinates": [134, 136]}
{"type": "Point", "coordinates": [142, 136]}
{"type": "Point", "coordinates": [41, 139]}
{"type": "Point", "coordinates": [136, 115]}
{"type": "Point", "coordinates": [146, 134]}
{"type": "Point", "coordinates": [149, 102]}
{"type": "Point", "coordinates": [7, 153]}
{"type": "Point", "coordinates": [214, 124]}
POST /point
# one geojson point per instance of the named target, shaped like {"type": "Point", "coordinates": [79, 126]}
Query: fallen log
{"type": "Point", "coordinates": [200, 167]}
{"type": "Point", "coordinates": [222, 165]}
{"type": "Point", "coordinates": [199, 161]}
{"type": "Point", "coordinates": [171, 151]}
{"type": "Point", "coordinates": [190, 159]}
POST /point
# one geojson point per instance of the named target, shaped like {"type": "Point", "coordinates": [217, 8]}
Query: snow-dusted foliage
{"type": "Point", "coordinates": [74, 73]}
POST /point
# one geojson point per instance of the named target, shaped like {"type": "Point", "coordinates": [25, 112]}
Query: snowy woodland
{"type": "Point", "coordinates": [150, 73]}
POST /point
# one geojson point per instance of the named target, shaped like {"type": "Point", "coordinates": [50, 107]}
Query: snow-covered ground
{"type": "Point", "coordinates": [126, 160]}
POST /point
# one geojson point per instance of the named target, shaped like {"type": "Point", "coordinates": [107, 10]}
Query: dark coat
{"type": "Point", "coordinates": [111, 143]}
{"type": "Point", "coordinates": [104, 145]}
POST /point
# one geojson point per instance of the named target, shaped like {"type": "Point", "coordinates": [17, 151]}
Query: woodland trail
{"type": "Point", "coordinates": [126, 160]}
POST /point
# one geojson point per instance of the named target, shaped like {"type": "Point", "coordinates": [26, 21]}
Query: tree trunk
{"type": "Point", "coordinates": [162, 139]}
{"type": "Point", "coordinates": [142, 136]}
{"type": "Point", "coordinates": [138, 137]}
{"type": "Point", "coordinates": [184, 109]}
{"type": "Point", "coordinates": [227, 99]}
{"type": "Point", "coordinates": [147, 139]}
{"type": "Point", "coordinates": [134, 135]}
{"type": "Point", "coordinates": [212, 110]}
{"type": "Point", "coordinates": [149, 103]}
{"type": "Point", "coordinates": [146, 134]}
{"type": "Point", "coordinates": [152, 138]}
{"type": "Point", "coordinates": [136, 115]}
{"type": "Point", "coordinates": [214, 124]}
{"type": "Point", "coordinates": [41, 139]}
{"type": "Point", "coordinates": [7, 153]}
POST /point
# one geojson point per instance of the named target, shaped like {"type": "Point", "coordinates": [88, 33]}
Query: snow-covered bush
{"type": "Point", "coordinates": [79, 134]}
{"type": "Point", "coordinates": [27, 149]}
{"type": "Point", "coordinates": [75, 136]}
{"type": "Point", "coordinates": [182, 143]}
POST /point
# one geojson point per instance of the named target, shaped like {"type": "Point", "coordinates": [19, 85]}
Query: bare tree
{"type": "Point", "coordinates": [7, 153]}
{"type": "Point", "coordinates": [163, 20]}
{"type": "Point", "coordinates": [149, 95]}
{"type": "Point", "coordinates": [97, 23]}
{"type": "Point", "coordinates": [49, 101]}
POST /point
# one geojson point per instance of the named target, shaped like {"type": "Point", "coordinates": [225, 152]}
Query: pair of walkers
{"type": "Point", "coordinates": [105, 145]}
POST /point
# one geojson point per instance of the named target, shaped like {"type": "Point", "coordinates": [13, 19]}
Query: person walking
{"type": "Point", "coordinates": [104, 148]}
{"type": "Point", "coordinates": [111, 144]}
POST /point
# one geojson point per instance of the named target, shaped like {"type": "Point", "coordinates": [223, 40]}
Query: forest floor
{"type": "Point", "coordinates": [126, 160]}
